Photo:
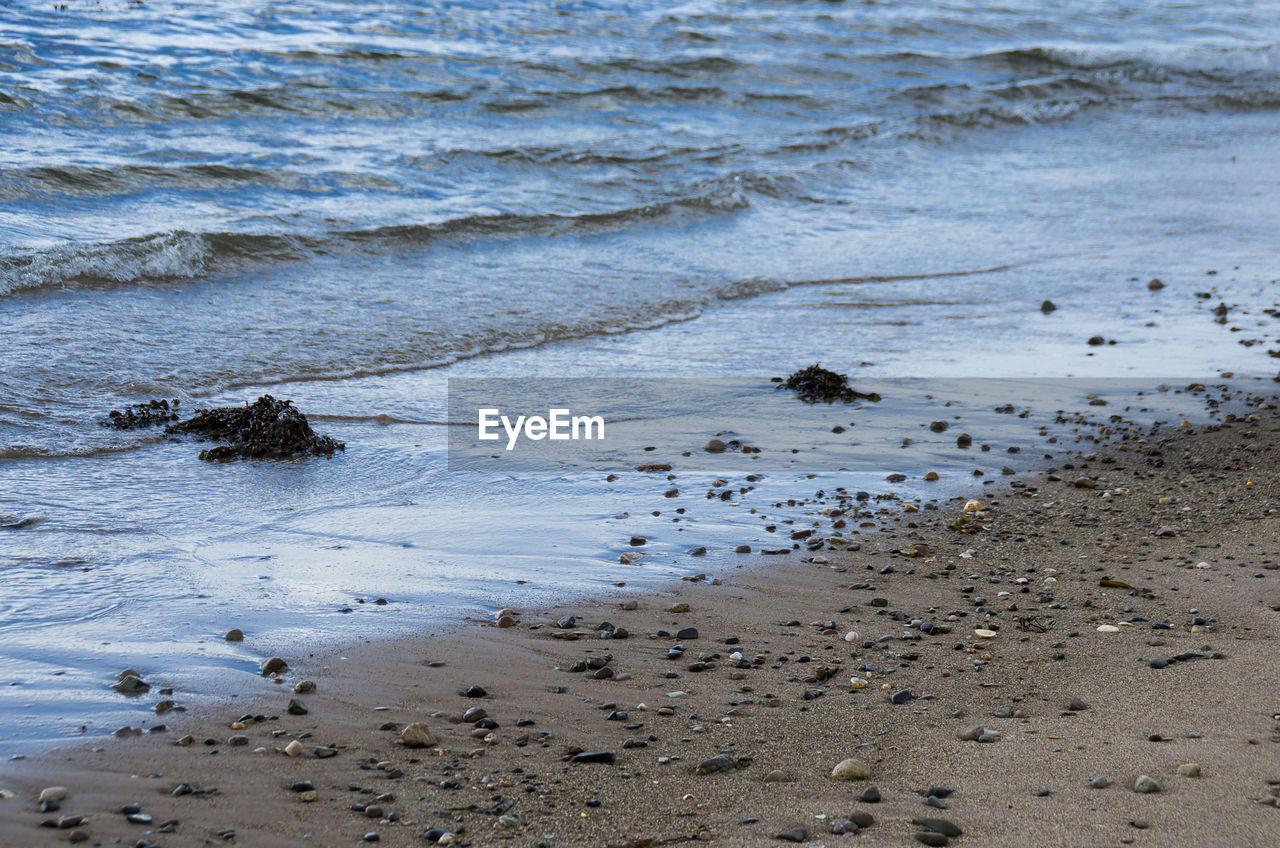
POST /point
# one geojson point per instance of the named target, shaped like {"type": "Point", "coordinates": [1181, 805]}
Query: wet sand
{"type": "Point", "coordinates": [1187, 517]}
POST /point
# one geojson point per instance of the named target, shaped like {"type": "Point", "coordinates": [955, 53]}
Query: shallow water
{"type": "Point", "coordinates": [349, 205]}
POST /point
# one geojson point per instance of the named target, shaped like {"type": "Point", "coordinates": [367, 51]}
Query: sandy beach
{"type": "Point", "coordinates": [1008, 672]}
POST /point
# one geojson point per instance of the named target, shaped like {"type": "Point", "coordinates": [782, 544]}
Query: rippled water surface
{"type": "Point", "coordinates": [346, 203]}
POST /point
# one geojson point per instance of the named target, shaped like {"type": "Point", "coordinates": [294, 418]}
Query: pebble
{"type": "Point", "coordinates": [944, 826]}
{"type": "Point", "coordinates": [475, 691]}
{"type": "Point", "coordinates": [1189, 770]}
{"type": "Point", "coordinates": [870, 795]}
{"type": "Point", "coordinates": [862, 820]}
{"type": "Point", "coordinates": [1100, 782]}
{"type": "Point", "coordinates": [1077, 704]}
{"type": "Point", "coordinates": [931, 837]}
{"type": "Point", "coordinates": [605, 757]}
{"type": "Point", "coordinates": [371, 836]}
{"type": "Point", "coordinates": [293, 749]}
{"type": "Point", "coordinates": [842, 826]}
{"type": "Point", "coordinates": [56, 793]}
{"type": "Point", "coordinates": [724, 761]}
{"type": "Point", "coordinates": [235, 634]}
{"type": "Point", "coordinates": [273, 665]}
{"type": "Point", "coordinates": [296, 707]}
{"type": "Point", "coordinates": [972, 733]}
{"type": "Point", "coordinates": [902, 696]}
{"type": "Point", "coordinates": [1146, 785]}
{"type": "Point", "coordinates": [795, 834]}
{"type": "Point", "coordinates": [130, 684]}
{"type": "Point", "coordinates": [851, 769]}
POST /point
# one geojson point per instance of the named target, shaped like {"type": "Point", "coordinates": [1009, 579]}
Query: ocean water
{"type": "Point", "coordinates": [348, 204]}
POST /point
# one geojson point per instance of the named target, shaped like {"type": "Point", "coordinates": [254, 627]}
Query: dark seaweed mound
{"type": "Point", "coordinates": [265, 429]}
{"type": "Point", "coordinates": [140, 415]}
{"type": "Point", "coordinates": [816, 384]}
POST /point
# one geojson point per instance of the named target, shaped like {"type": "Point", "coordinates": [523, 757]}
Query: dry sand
{"type": "Point", "coordinates": [1216, 491]}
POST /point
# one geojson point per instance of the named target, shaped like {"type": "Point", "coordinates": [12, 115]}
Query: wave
{"type": "Point", "coordinates": [181, 254]}
{"type": "Point", "coordinates": [1219, 60]}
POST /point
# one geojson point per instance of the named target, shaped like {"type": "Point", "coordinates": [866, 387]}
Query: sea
{"type": "Point", "coordinates": [356, 205]}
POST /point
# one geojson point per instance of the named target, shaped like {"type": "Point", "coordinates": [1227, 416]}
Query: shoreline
{"type": "Point", "coordinates": [786, 722]}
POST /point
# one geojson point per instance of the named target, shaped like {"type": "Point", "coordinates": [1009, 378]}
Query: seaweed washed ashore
{"type": "Point", "coordinates": [817, 384]}
{"type": "Point", "coordinates": [265, 429]}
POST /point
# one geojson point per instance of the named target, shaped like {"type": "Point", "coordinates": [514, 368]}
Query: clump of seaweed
{"type": "Point", "coordinates": [816, 384]}
{"type": "Point", "coordinates": [265, 429]}
{"type": "Point", "coordinates": [138, 416]}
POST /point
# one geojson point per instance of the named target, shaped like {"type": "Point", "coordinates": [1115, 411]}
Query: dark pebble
{"type": "Point", "coordinates": [795, 834]}
{"type": "Point", "coordinates": [870, 795]}
{"type": "Point", "coordinates": [475, 692]}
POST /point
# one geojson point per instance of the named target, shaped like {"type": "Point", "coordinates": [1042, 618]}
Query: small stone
{"type": "Point", "coordinates": [235, 634]}
{"type": "Point", "coordinates": [1048, 306]}
{"type": "Point", "coordinates": [851, 769]}
{"type": "Point", "coordinates": [777, 776]}
{"type": "Point", "coordinates": [50, 805]}
{"type": "Point", "coordinates": [902, 696]}
{"type": "Point", "coordinates": [931, 837]}
{"type": "Point", "coordinates": [138, 818]}
{"type": "Point", "coordinates": [870, 795]}
{"type": "Point", "coordinates": [475, 691]}
{"type": "Point", "coordinates": [324, 752]}
{"type": "Point", "coordinates": [275, 665]}
{"type": "Point", "coordinates": [130, 684]}
{"type": "Point", "coordinates": [293, 749]}
{"type": "Point", "coordinates": [795, 834]}
{"type": "Point", "coordinates": [302, 786]}
{"type": "Point", "coordinates": [1156, 284]}
{"type": "Point", "coordinates": [1159, 663]}
{"type": "Point", "coordinates": [988, 735]}
{"type": "Point", "coordinates": [1077, 704]}
{"type": "Point", "coordinates": [55, 793]}
{"type": "Point", "coordinates": [687, 633]}
{"type": "Point", "coordinates": [1189, 770]}
{"type": "Point", "coordinates": [724, 761]}
{"type": "Point", "coordinates": [1100, 782]}
{"type": "Point", "coordinates": [238, 740]}
{"type": "Point", "coordinates": [296, 707]}
{"type": "Point", "coordinates": [1146, 785]}
{"type": "Point", "coordinates": [417, 735]}
{"type": "Point", "coordinates": [714, 446]}
{"type": "Point", "coordinates": [304, 687]}
{"type": "Point", "coordinates": [1094, 341]}
{"type": "Point", "coordinates": [604, 757]}
{"type": "Point", "coordinates": [862, 819]}
{"type": "Point", "coordinates": [842, 826]}
{"type": "Point", "coordinates": [944, 826]}
{"type": "Point", "coordinates": [371, 836]}
{"type": "Point", "coordinates": [971, 733]}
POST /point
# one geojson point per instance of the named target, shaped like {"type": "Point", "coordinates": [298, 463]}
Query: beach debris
{"type": "Point", "coordinates": [266, 429]}
{"type": "Point", "coordinates": [139, 416]}
{"type": "Point", "coordinates": [816, 384]}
